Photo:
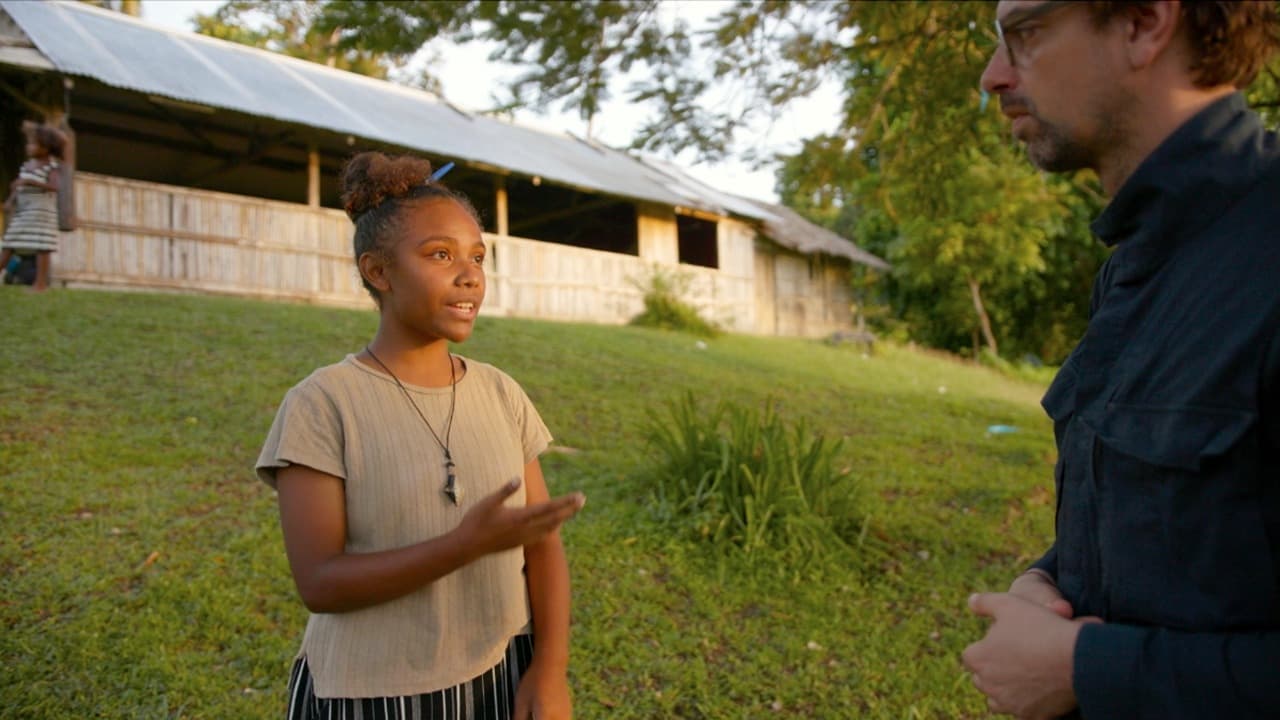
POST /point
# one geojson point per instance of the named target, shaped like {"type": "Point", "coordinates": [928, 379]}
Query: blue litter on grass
{"type": "Point", "coordinates": [1001, 429]}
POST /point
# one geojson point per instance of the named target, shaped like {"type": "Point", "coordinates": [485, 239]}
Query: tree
{"type": "Point", "coordinates": [940, 187]}
{"type": "Point", "coordinates": [127, 7]}
{"type": "Point", "coordinates": [292, 27]}
{"type": "Point", "coordinates": [573, 52]}
{"type": "Point", "coordinates": [1264, 94]}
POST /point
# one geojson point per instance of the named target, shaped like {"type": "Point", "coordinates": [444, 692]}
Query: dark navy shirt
{"type": "Point", "coordinates": [1167, 420]}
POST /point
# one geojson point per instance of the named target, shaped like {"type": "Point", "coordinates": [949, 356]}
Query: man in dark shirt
{"type": "Point", "coordinates": [1160, 597]}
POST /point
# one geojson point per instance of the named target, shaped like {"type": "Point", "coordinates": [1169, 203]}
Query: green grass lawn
{"type": "Point", "coordinates": [144, 574]}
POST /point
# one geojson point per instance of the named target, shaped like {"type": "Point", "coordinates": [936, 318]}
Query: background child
{"type": "Point", "coordinates": [415, 516]}
{"type": "Point", "coordinates": [31, 209]}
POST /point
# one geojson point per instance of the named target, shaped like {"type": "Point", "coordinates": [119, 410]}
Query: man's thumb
{"type": "Point", "coordinates": [1060, 607]}
{"type": "Point", "coordinates": [986, 604]}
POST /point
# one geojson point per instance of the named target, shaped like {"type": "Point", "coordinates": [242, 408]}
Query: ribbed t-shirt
{"type": "Point", "coordinates": [352, 421]}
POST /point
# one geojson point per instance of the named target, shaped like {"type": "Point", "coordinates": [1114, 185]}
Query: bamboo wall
{"type": "Point", "coordinates": [802, 295]}
{"type": "Point", "coordinates": [656, 233]}
{"type": "Point", "coordinates": [735, 247]}
{"type": "Point", "coordinates": [146, 235]}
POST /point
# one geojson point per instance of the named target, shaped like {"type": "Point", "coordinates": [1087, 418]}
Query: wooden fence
{"type": "Point", "coordinates": [145, 235]}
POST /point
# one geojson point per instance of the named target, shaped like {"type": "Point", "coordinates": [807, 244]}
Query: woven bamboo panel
{"type": "Point", "coordinates": [529, 278]}
{"type": "Point", "coordinates": [811, 298]}
{"type": "Point", "coordinates": [735, 245]}
{"type": "Point", "coordinates": [147, 235]}
{"type": "Point", "coordinates": [150, 236]}
{"type": "Point", "coordinates": [656, 233]}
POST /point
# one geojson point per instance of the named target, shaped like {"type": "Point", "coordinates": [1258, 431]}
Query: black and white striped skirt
{"type": "Point", "coordinates": [33, 226]}
{"type": "Point", "coordinates": [491, 696]}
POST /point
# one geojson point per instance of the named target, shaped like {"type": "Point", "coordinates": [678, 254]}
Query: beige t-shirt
{"type": "Point", "coordinates": [352, 421]}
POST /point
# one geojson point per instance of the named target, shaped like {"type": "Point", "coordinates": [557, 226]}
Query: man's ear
{"type": "Point", "coordinates": [373, 268]}
{"type": "Point", "coordinates": [1150, 31]}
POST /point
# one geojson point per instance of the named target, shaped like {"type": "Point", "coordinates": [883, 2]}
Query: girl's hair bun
{"type": "Point", "coordinates": [371, 178]}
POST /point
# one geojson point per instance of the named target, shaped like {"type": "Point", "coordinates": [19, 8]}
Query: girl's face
{"type": "Point", "coordinates": [434, 283]}
{"type": "Point", "coordinates": [35, 149]}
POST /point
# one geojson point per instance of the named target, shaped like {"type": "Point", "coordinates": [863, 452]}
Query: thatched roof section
{"type": "Point", "coordinates": [791, 230]}
{"type": "Point", "coordinates": [779, 223]}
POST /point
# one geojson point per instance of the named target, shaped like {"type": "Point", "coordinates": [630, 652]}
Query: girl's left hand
{"type": "Point", "coordinates": [543, 695]}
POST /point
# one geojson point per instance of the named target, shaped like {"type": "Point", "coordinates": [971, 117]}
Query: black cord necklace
{"type": "Point", "coordinates": [451, 489]}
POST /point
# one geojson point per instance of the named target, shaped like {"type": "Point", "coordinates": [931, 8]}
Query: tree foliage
{"type": "Point", "coordinates": [924, 173]}
{"type": "Point", "coordinates": [1264, 94]}
{"type": "Point", "coordinates": [573, 54]}
{"type": "Point", "coordinates": [127, 7]}
{"type": "Point", "coordinates": [295, 28]}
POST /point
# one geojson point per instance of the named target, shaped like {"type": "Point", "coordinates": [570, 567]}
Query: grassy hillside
{"type": "Point", "coordinates": [144, 574]}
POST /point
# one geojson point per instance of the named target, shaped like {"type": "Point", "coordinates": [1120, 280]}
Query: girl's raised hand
{"type": "Point", "coordinates": [490, 526]}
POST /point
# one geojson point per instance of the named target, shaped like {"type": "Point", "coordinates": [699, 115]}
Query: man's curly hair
{"type": "Point", "coordinates": [1230, 42]}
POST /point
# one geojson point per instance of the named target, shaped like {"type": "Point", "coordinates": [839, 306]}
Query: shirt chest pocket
{"type": "Point", "coordinates": [1181, 438]}
{"type": "Point", "coordinates": [1180, 516]}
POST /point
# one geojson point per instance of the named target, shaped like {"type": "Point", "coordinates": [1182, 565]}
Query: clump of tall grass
{"type": "Point", "coordinates": [664, 308]}
{"type": "Point", "coordinates": [742, 477]}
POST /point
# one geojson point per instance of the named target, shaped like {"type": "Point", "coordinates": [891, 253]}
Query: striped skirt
{"type": "Point", "coordinates": [33, 227]}
{"type": "Point", "coordinates": [491, 696]}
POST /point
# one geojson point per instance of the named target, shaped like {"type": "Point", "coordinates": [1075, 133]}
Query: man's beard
{"type": "Point", "coordinates": [1054, 150]}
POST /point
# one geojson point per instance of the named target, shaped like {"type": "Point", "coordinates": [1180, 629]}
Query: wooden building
{"type": "Point", "coordinates": [207, 166]}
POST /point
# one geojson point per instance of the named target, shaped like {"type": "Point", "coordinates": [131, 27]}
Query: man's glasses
{"type": "Point", "coordinates": [1014, 35]}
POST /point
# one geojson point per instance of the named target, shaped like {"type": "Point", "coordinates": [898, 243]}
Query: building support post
{"type": "Point", "coordinates": [500, 198]}
{"type": "Point", "coordinates": [313, 177]}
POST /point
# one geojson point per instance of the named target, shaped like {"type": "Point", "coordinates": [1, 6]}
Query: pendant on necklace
{"type": "Point", "coordinates": [451, 489]}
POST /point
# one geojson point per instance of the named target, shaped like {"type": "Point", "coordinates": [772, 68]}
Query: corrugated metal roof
{"type": "Point", "coordinates": [16, 48]}
{"type": "Point", "coordinates": [128, 53]}
{"type": "Point", "coordinates": [125, 52]}
{"type": "Point", "coordinates": [24, 57]}
{"type": "Point", "coordinates": [682, 182]}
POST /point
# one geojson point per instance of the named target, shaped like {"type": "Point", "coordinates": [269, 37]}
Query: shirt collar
{"type": "Point", "coordinates": [1190, 178]}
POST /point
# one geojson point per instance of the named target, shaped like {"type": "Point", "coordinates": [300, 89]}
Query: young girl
{"type": "Point", "coordinates": [32, 205]}
{"type": "Point", "coordinates": [415, 516]}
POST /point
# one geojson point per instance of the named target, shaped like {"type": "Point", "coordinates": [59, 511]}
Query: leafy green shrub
{"type": "Point", "coordinates": [1040, 374]}
{"type": "Point", "coordinates": [742, 477]}
{"type": "Point", "coordinates": [664, 309]}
